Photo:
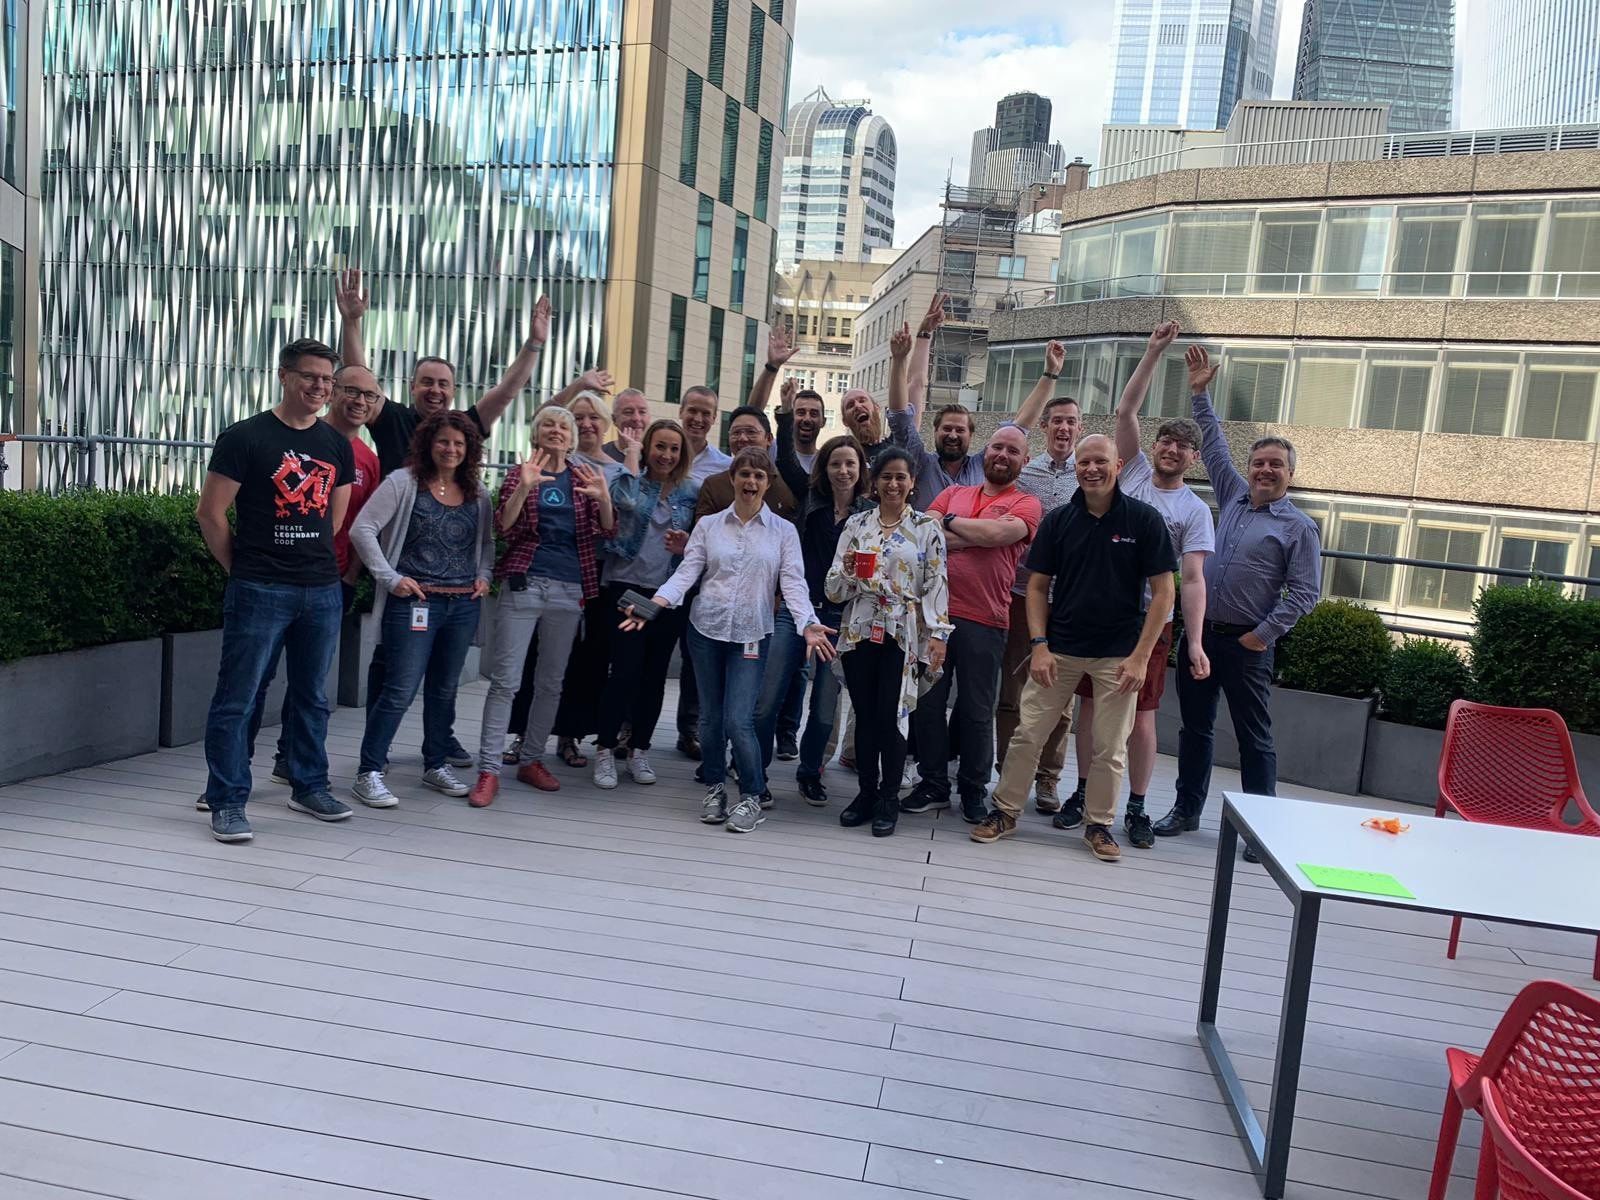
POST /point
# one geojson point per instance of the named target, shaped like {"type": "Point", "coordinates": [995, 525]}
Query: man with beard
{"type": "Point", "coordinates": [987, 528]}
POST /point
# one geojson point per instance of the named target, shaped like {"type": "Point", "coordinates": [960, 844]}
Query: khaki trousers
{"type": "Point", "coordinates": [1044, 707]}
{"type": "Point", "coordinates": [1013, 675]}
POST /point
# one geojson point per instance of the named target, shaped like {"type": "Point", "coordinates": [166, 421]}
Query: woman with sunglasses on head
{"type": "Point", "coordinates": [553, 512]}
{"type": "Point", "coordinates": [427, 536]}
{"type": "Point", "coordinates": [655, 510]}
{"type": "Point", "coordinates": [741, 557]}
{"type": "Point", "coordinates": [889, 576]}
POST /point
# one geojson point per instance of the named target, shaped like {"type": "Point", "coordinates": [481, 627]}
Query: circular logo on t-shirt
{"type": "Point", "coordinates": [554, 496]}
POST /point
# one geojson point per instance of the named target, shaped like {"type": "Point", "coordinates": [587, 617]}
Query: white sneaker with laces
{"type": "Point", "coordinates": [605, 769]}
{"type": "Point", "coordinates": [639, 767]}
{"type": "Point", "coordinates": [372, 791]}
{"type": "Point", "coordinates": [443, 779]}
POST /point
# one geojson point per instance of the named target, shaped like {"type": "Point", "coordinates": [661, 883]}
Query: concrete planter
{"type": "Point", "coordinates": [189, 663]}
{"type": "Point", "coordinates": [64, 711]}
{"type": "Point", "coordinates": [1402, 762]}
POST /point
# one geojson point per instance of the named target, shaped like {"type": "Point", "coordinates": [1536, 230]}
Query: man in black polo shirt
{"type": "Point", "coordinates": [1086, 616]}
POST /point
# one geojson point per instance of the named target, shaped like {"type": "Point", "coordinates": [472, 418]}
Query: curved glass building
{"type": "Point", "coordinates": [838, 182]}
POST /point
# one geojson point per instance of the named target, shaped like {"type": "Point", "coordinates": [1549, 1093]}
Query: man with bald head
{"type": "Point", "coordinates": [987, 528]}
{"type": "Point", "coordinates": [1091, 563]}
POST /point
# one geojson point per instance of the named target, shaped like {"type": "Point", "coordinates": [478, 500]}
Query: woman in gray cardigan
{"type": "Point", "coordinates": [427, 536]}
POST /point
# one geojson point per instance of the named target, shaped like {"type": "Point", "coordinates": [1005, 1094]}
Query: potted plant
{"type": "Point", "coordinates": [1404, 738]}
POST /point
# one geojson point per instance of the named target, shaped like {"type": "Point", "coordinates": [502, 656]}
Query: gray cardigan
{"type": "Point", "coordinates": [378, 533]}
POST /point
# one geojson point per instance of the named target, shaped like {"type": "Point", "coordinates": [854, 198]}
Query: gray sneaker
{"type": "Point", "coordinates": [371, 790]}
{"type": "Point", "coordinates": [320, 805]}
{"type": "Point", "coordinates": [746, 815]}
{"type": "Point", "coordinates": [443, 779]}
{"type": "Point", "coordinates": [229, 825]}
{"type": "Point", "coordinates": [714, 808]}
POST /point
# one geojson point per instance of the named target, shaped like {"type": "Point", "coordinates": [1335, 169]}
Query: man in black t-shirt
{"type": "Point", "coordinates": [1090, 561]}
{"type": "Point", "coordinates": [287, 475]}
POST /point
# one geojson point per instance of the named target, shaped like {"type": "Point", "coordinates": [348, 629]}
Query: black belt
{"type": "Point", "coordinates": [1228, 630]}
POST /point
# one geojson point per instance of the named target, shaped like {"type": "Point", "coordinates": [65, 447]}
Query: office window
{"type": "Point", "coordinates": [752, 71]}
{"type": "Point", "coordinates": [1088, 256]}
{"type": "Point", "coordinates": [1355, 246]}
{"type": "Point", "coordinates": [702, 248]}
{"type": "Point", "coordinates": [1286, 250]}
{"type": "Point", "coordinates": [1477, 394]}
{"type": "Point", "coordinates": [675, 334]}
{"type": "Point", "coordinates": [763, 171]}
{"type": "Point", "coordinates": [1503, 238]}
{"type": "Point", "coordinates": [689, 149]}
{"type": "Point", "coordinates": [1325, 387]}
{"type": "Point", "coordinates": [730, 150]}
{"type": "Point", "coordinates": [1055, 270]}
{"type": "Point", "coordinates": [1592, 571]}
{"type": "Point", "coordinates": [719, 42]}
{"type": "Point", "coordinates": [1427, 237]}
{"type": "Point", "coordinates": [1210, 253]}
{"type": "Point", "coordinates": [1397, 390]}
{"type": "Point", "coordinates": [1434, 587]}
{"type": "Point", "coordinates": [1252, 385]}
{"type": "Point", "coordinates": [1011, 267]}
{"type": "Point", "coordinates": [741, 253]}
{"type": "Point", "coordinates": [845, 326]}
{"type": "Point", "coordinates": [714, 350]}
{"type": "Point", "coordinates": [777, 11]}
{"type": "Point", "coordinates": [1368, 581]}
{"type": "Point", "coordinates": [1140, 247]}
{"type": "Point", "coordinates": [1573, 249]}
{"type": "Point", "coordinates": [1558, 398]}
{"type": "Point", "coordinates": [832, 325]}
{"type": "Point", "coordinates": [1530, 552]}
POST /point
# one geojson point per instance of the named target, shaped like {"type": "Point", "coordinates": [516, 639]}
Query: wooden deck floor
{"type": "Point", "coordinates": [592, 996]}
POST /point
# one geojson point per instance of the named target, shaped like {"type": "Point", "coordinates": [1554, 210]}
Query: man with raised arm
{"type": "Point", "coordinates": [1265, 575]}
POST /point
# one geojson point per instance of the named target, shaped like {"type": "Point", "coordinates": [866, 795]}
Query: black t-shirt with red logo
{"type": "Point", "coordinates": [284, 510]}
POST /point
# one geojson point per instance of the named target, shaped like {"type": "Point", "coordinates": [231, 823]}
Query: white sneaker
{"type": "Point", "coordinates": [443, 779]}
{"type": "Point", "coordinates": [605, 769]}
{"type": "Point", "coordinates": [639, 767]}
{"type": "Point", "coordinates": [372, 791]}
{"type": "Point", "coordinates": [909, 778]}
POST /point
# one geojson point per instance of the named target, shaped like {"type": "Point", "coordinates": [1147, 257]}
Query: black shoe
{"type": "Point", "coordinates": [1250, 855]}
{"type": "Point", "coordinates": [320, 805]}
{"type": "Point", "coordinates": [812, 792]}
{"type": "Point", "coordinates": [689, 747]}
{"type": "Point", "coordinates": [1071, 814]}
{"type": "Point", "coordinates": [887, 813]}
{"type": "Point", "coordinates": [923, 800]}
{"type": "Point", "coordinates": [859, 812]}
{"type": "Point", "coordinates": [766, 799]}
{"type": "Point", "coordinates": [788, 748]}
{"type": "Point", "coordinates": [1137, 827]}
{"type": "Point", "coordinates": [974, 810]}
{"type": "Point", "coordinates": [280, 770]}
{"type": "Point", "coordinates": [1175, 822]}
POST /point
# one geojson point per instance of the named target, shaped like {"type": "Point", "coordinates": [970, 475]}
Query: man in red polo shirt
{"type": "Point", "coordinates": [987, 528]}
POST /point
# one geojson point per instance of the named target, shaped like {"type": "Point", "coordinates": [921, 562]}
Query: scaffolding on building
{"type": "Point", "coordinates": [976, 221]}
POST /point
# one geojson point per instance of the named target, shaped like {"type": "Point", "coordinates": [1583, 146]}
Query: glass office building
{"type": "Point", "coordinates": [838, 182]}
{"type": "Point", "coordinates": [1401, 52]}
{"type": "Point", "coordinates": [1527, 63]}
{"type": "Point", "coordinates": [1188, 62]}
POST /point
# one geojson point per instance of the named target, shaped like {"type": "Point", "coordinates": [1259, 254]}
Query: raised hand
{"type": "Point", "coordinates": [934, 317]}
{"type": "Point", "coordinates": [778, 349]}
{"type": "Point", "coordinates": [597, 379]}
{"type": "Point", "coordinates": [349, 295]}
{"type": "Point", "coordinates": [1055, 357]}
{"type": "Point", "coordinates": [1163, 335]}
{"type": "Point", "coordinates": [535, 470]}
{"type": "Point", "coordinates": [406, 586]}
{"type": "Point", "coordinates": [539, 329]}
{"type": "Point", "coordinates": [900, 343]}
{"type": "Point", "coordinates": [787, 393]}
{"type": "Point", "coordinates": [630, 442]}
{"type": "Point", "coordinates": [1201, 369]}
{"type": "Point", "coordinates": [589, 482]}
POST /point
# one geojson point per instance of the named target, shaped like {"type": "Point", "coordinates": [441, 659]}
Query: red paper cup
{"type": "Point", "coordinates": [866, 564]}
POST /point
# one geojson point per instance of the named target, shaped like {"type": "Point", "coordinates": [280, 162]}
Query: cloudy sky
{"type": "Point", "coordinates": [934, 69]}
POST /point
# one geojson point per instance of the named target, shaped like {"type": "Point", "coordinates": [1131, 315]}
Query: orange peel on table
{"type": "Point", "coordinates": [1385, 824]}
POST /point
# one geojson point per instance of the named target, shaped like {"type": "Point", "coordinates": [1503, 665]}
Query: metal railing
{"type": "Point", "coordinates": [1410, 285]}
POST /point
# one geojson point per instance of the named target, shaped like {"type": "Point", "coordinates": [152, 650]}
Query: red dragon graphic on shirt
{"type": "Point", "coordinates": [304, 485]}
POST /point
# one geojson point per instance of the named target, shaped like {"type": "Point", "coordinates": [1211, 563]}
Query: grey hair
{"type": "Point", "coordinates": [554, 412]}
{"type": "Point", "coordinates": [628, 394]}
{"type": "Point", "coordinates": [596, 401]}
{"type": "Point", "coordinates": [1273, 439]}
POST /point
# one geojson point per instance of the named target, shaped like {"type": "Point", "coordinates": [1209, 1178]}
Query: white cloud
{"type": "Point", "coordinates": [934, 73]}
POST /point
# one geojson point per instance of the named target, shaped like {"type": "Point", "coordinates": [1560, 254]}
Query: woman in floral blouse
{"type": "Point", "coordinates": [889, 574]}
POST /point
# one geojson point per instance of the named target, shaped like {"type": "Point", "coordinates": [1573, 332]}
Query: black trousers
{"type": "Point", "coordinates": [872, 673]}
{"type": "Point", "coordinates": [635, 680]}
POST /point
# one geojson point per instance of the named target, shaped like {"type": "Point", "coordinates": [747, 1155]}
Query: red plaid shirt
{"type": "Point", "coordinates": [522, 539]}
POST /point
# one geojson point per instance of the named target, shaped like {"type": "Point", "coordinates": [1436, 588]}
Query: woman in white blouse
{"type": "Point", "coordinates": [740, 557]}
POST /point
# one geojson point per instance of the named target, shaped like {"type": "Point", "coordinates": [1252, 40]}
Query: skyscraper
{"type": "Point", "coordinates": [208, 167]}
{"type": "Point", "coordinates": [1188, 62]}
{"type": "Point", "coordinates": [1529, 63]}
{"type": "Point", "coordinates": [1020, 140]}
{"type": "Point", "coordinates": [1399, 51]}
{"type": "Point", "coordinates": [1021, 119]}
{"type": "Point", "coordinates": [838, 182]}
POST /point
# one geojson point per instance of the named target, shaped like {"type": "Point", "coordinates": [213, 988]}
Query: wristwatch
{"type": "Point", "coordinates": [948, 517]}
{"type": "Point", "coordinates": [1051, 374]}
{"type": "Point", "coordinates": [771, 368]}
{"type": "Point", "coordinates": [1038, 641]}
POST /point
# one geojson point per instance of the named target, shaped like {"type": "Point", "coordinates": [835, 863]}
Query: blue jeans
{"type": "Point", "coordinates": [434, 654]}
{"type": "Point", "coordinates": [1245, 677]}
{"type": "Point", "coordinates": [729, 685]}
{"type": "Point", "coordinates": [260, 620]}
{"type": "Point", "coordinates": [786, 659]}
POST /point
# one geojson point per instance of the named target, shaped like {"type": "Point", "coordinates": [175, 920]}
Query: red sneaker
{"type": "Point", "coordinates": [536, 775]}
{"type": "Point", "coordinates": [483, 792]}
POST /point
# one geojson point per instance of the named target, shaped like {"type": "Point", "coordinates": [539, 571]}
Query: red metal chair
{"type": "Point", "coordinates": [1544, 1060]}
{"type": "Point", "coordinates": [1511, 766]}
{"type": "Point", "coordinates": [1506, 1169]}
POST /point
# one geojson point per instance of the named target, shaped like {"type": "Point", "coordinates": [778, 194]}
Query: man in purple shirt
{"type": "Point", "coordinates": [1265, 575]}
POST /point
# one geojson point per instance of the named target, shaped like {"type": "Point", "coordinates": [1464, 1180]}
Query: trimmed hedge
{"type": "Point", "coordinates": [1421, 680]}
{"type": "Point", "coordinates": [1339, 648]}
{"type": "Point", "coordinates": [1538, 647]}
{"type": "Point", "coordinates": [86, 568]}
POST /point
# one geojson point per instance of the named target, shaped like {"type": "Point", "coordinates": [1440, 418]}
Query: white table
{"type": "Point", "coordinates": [1520, 876]}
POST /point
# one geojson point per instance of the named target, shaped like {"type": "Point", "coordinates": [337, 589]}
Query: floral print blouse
{"type": "Point", "coordinates": [908, 594]}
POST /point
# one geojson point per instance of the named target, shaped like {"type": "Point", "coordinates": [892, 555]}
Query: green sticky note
{"type": "Point", "coordinates": [1343, 879]}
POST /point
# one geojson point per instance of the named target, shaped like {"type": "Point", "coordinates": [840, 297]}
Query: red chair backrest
{"type": "Point", "coordinates": [1512, 766]}
{"type": "Point", "coordinates": [1519, 1174]}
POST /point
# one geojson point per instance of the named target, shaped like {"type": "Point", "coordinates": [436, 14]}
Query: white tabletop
{"type": "Point", "coordinates": [1489, 871]}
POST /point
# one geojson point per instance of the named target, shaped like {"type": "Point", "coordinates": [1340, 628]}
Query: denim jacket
{"type": "Point", "coordinates": [635, 497]}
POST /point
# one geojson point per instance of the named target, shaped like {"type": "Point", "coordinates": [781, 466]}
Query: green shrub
{"type": "Point", "coordinates": [86, 568]}
{"type": "Point", "coordinates": [1538, 647]}
{"type": "Point", "coordinates": [1423, 676]}
{"type": "Point", "coordinates": [1338, 648]}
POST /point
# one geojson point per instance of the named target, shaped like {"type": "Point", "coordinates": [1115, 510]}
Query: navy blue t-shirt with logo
{"type": "Point", "coordinates": [557, 555]}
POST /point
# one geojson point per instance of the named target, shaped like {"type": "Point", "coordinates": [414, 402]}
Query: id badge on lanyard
{"type": "Point", "coordinates": [419, 618]}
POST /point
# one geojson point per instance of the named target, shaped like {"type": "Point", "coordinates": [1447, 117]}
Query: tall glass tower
{"type": "Point", "coordinates": [838, 182]}
{"type": "Point", "coordinates": [1399, 51]}
{"type": "Point", "coordinates": [1529, 64]}
{"type": "Point", "coordinates": [1188, 62]}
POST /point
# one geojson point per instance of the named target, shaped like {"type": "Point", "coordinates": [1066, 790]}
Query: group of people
{"type": "Point", "coordinates": [963, 598]}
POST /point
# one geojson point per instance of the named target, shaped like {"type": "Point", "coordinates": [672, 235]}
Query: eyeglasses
{"type": "Point", "coordinates": [354, 393]}
{"type": "Point", "coordinates": [311, 379]}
